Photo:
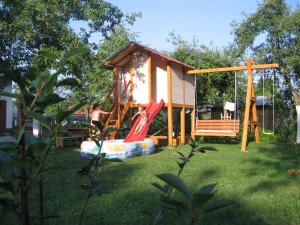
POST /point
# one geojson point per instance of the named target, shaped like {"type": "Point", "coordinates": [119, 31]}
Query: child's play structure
{"type": "Point", "coordinates": [143, 76]}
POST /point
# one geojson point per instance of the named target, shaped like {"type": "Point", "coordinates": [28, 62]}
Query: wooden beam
{"type": "Point", "coordinates": [115, 84]}
{"type": "Point", "coordinates": [131, 71]}
{"type": "Point", "coordinates": [254, 115]}
{"type": "Point", "coordinates": [182, 126]}
{"type": "Point", "coordinates": [182, 115]}
{"type": "Point", "coordinates": [174, 105]}
{"type": "Point", "coordinates": [149, 78]}
{"type": "Point", "coordinates": [248, 104]}
{"type": "Point", "coordinates": [193, 123]}
{"type": "Point", "coordinates": [116, 91]}
{"type": "Point", "coordinates": [233, 68]}
{"type": "Point", "coordinates": [170, 106]}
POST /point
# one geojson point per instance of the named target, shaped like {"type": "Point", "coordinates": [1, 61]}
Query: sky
{"type": "Point", "coordinates": [209, 21]}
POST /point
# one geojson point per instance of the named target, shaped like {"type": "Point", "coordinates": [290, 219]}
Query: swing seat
{"type": "Point", "coordinates": [217, 128]}
{"type": "Point", "coordinates": [268, 132]}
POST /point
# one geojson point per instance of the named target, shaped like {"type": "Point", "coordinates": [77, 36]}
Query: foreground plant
{"type": "Point", "coordinates": [37, 91]}
{"type": "Point", "coordinates": [95, 187]}
{"type": "Point", "coordinates": [195, 204]}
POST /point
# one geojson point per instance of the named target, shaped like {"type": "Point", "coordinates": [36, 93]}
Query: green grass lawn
{"type": "Point", "coordinates": [258, 180]}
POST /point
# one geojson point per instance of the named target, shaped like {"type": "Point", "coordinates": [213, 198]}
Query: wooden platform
{"type": "Point", "coordinates": [163, 140]}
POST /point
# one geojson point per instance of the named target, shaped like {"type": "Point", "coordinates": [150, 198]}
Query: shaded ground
{"type": "Point", "coordinates": [257, 179]}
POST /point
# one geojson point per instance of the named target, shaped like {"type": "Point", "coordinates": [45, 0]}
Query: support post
{"type": "Point", "coordinates": [193, 123]}
{"type": "Point", "coordinates": [248, 104]}
{"type": "Point", "coordinates": [149, 78]}
{"type": "Point", "coordinates": [116, 94]}
{"type": "Point", "coordinates": [131, 79]}
{"type": "Point", "coordinates": [115, 85]}
{"type": "Point", "coordinates": [170, 106]}
{"type": "Point", "coordinates": [182, 125]}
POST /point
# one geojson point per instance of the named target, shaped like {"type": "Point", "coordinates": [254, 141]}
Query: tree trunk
{"type": "Point", "coordinates": [298, 124]}
{"type": "Point", "coordinates": [23, 175]}
{"type": "Point", "coordinates": [296, 95]}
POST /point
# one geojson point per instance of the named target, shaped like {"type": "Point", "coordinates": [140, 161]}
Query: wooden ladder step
{"type": "Point", "coordinates": [111, 122]}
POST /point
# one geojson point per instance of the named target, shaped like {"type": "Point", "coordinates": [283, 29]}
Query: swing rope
{"type": "Point", "coordinates": [235, 99]}
{"type": "Point", "coordinates": [196, 99]}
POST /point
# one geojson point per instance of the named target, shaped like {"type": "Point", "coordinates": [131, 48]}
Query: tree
{"type": "Point", "coordinates": [212, 88]}
{"type": "Point", "coordinates": [277, 26]}
{"type": "Point", "coordinates": [96, 80]}
{"type": "Point", "coordinates": [28, 25]}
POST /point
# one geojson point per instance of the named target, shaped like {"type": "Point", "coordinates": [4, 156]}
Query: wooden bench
{"type": "Point", "coordinates": [230, 128]}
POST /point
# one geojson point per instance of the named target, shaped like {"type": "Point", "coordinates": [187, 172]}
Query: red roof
{"type": "Point", "coordinates": [131, 47]}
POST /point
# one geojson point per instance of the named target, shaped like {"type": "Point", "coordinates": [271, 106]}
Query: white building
{"type": "Point", "coordinates": [6, 110]}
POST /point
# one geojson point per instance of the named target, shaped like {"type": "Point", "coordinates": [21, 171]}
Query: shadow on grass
{"type": "Point", "coordinates": [128, 208]}
{"type": "Point", "coordinates": [272, 164]}
{"type": "Point", "coordinates": [63, 192]}
{"type": "Point", "coordinates": [133, 193]}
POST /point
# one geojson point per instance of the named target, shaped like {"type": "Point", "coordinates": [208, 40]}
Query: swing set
{"type": "Point", "coordinates": [231, 127]}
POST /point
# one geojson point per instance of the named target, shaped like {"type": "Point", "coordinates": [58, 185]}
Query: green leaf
{"type": "Point", "coordinates": [36, 148]}
{"type": "Point", "coordinates": [75, 52]}
{"type": "Point", "coordinates": [7, 186]}
{"type": "Point", "coordinates": [219, 204]}
{"type": "Point", "coordinates": [89, 126]}
{"type": "Point", "coordinates": [6, 196]}
{"type": "Point", "coordinates": [109, 130]}
{"type": "Point", "coordinates": [84, 186]}
{"type": "Point", "coordinates": [163, 189]}
{"type": "Point", "coordinates": [98, 124]}
{"type": "Point", "coordinates": [204, 149]}
{"type": "Point", "coordinates": [193, 143]}
{"type": "Point", "coordinates": [172, 203]}
{"type": "Point", "coordinates": [86, 169]}
{"type": "Point", "coordinates": [62, 115]}
{"type": "Point", "coordinates": [200, 199]}
{"type": "Point", "coordinates": [182, 156]}
{"type": "Point", "coordinates": [35, 83]}
{"type": "Point", "coordinates": [28, 98]}
{"type": "Point", "coordinates": [50, 99]}
{"type": "Point", "coordinates": [39, 117]}
{"type": "Point", "coordinates": [207, 188]}
{"type": "Point", "coordinates": [68, 82]}
{"type": "Point", "coordinates": [114, 160]}
{"type": "Point", "coordinates": [102, 156]}
{"type": "Point", "coordinates": [181, 164]}
{"type": "Point", "coordinates": [177, 183]}
{"type": "Point", "coordinates": [47, 53]}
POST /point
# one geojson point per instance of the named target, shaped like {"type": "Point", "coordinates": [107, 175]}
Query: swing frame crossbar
{"type": "Point", "coordinates": [250, 118]}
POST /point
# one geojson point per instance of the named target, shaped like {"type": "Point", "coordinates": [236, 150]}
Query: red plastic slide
{"type": "Point", "coordinates": [151, 111]}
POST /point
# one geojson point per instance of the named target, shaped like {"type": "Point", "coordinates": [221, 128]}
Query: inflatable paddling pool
{"type": "Point", "coordinates": [117, 149]}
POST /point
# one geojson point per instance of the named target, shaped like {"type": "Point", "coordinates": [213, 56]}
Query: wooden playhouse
{"type": "Point", "coordinates": [141, 74]}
